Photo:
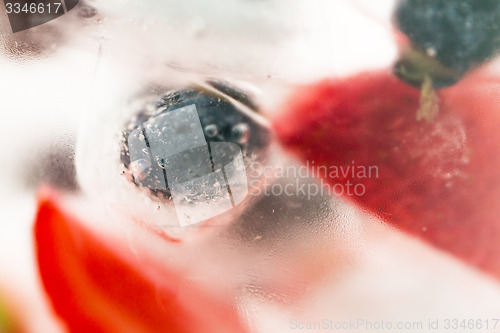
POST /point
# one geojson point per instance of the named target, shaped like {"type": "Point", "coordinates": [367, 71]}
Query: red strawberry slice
{"type": "Point", "coordinates": [111, 285]}
{"type": "Point", "coordinates": [438, 180]}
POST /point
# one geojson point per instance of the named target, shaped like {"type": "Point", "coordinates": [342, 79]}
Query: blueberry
{"type": "Point", "coordinates": [183, 123]}
{"type": "Point", "coordinates": [457, 35]}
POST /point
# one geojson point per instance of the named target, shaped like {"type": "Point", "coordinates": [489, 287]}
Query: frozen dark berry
{"type": "Point", "coordinates": [457, 35]}
{"type": "Point", "coordinates": [171, 138]}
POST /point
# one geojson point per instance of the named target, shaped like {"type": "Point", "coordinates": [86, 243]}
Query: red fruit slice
{"type": "Point", "coordinates": [102, 285]}
{"type": "Point", "coordinates": [438, 180]}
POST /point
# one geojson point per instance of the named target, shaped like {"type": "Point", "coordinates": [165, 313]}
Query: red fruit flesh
{"type": "Point", "coordinates": [100, 286]}
{"type": "Point", "coordinates": [437, 180]}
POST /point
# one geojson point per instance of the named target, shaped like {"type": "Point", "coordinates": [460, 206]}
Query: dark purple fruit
{"type": "Point", "coordinates": [448, 37]}
{"type": "Point", "coordinates": [173, 137]}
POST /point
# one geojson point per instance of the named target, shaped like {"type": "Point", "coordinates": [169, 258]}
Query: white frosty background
{"type": "Point", "coordinates": [44, 98]}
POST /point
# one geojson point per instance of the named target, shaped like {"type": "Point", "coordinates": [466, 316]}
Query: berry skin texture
{"type": "Point", "coordinates": [459, 33]}
{"type": "Point", "coordinates": [438, 180]}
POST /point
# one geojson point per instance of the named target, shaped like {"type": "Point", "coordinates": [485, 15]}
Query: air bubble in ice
{"type": "Point", "coordinates": [211, 130]}
{"type": "Point", "coordinates": [240, 133]}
